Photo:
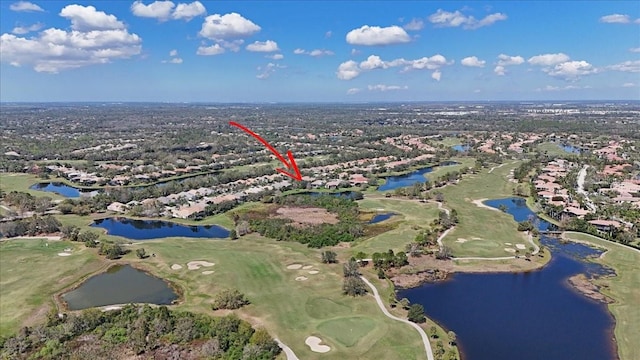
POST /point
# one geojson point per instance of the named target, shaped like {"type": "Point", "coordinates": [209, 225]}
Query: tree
{"type": "Point", "coordinates": [141, 253]}
{"type": "Point", "coordinates": [444, 253]}
{"type": "Point", "coordinates": [354, 286]}
{"type": "Point", "coordinates": [350, 269]}
{"type": "Point", "coordinates": [404, 302]}
{"type": "Point", "coordinates": [329, 257]}
{"type": "Point", "coordinates": [233, 234]}
{"type": "Point", "coordinates": [452, 337]}
{"type": "Point", "coordinates": [416, 313]}
{"type": "Point", "coordinates": [229, 299]}
{"type": "Point", "coordinates": [433, 332]}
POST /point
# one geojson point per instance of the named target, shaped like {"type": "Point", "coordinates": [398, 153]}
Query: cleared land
{"type": "Point", "coordinates": [624, 288]}
{"type": "Point", "coordinates": [307, 215]}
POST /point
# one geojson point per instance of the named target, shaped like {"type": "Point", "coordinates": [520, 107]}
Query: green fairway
{"type": "Point", "coordinates": [411, 214]}
{"type": "Point", "coordinates": [551, 149]}
{"type": "Point", "coordinates": [31, 272]}
{"type": "Point", "coordinates": [21, 182]}
{"type": "Point", "coordinates": [624, 288]}
{"type": "Point", "coordinates": [442, 170]}
{"type": "Point", "coordinates": [482, 232]}
{"type": "Point", "coordinates": [290, 309]}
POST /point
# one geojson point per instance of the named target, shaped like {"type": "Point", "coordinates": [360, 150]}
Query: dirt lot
{"type": "Point", "coordinates": [307, 215]}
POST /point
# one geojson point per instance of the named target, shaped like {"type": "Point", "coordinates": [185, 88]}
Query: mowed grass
{"type": "Point", "coordinates": [551, 149]}
{"type": "Point", "coordinates": [32, 272]}
{"type": "Point", "coordinates": [289, 309]}
{"type": "Point", "coordinates": [624, 288]}
{"type": "Point", "coordinates": [21, 182]}
{"type": "Point", "coordinates": [411, 214]}
{"type": "Point", "coordinates": [484, 230]}
{"type": "Point", "coordinates": [438, 171]}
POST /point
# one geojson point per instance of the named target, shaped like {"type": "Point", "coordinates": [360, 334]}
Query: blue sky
{"type": "Point", "coordinates": [318, 51]}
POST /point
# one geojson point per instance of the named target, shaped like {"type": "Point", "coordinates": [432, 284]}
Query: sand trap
{"type": "Point", "coordinates": [480, 204]}
{"type": "Point", "coordinates": [111, 307]}
{"type": "Point", "coordinates": [521, 246]}
{"type": "Point", "coordinates": [461, 240]}
{"type": "Point", "coordinates": [195, 265]}
{"type": "Point", "coordinates": [313, 272]}
{"type": "Point", "coordinates": [508, 244]}
{"type": "Point", "coordinates": [64, 254]}
{"type": "Point", "coordinates": [176, 267]}
{"type": "Point", "coordinates": [510, 250]}
{"type": "Point", "coordinates": [307, 267]}
{"type": "Point", "coordinates": [315, 344]}
{"type": "Point", "coordinates": [476, 238]}
{"type": "Point", "coordinates": [208, 272]}
{"type": "Point", "coordinates": [294, 267]}
{"type": "Point", "coordinates": [301, 278]}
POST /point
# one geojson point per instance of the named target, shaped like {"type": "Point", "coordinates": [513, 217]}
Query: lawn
{"type": "Point", "coordinates": [31, 272]}
{"type": "Point", "coordinates": [624, 288]}
{"type": "Point", "coordinates": [21, 182]}
{"type": "Point", "coordinates": [484, 231]}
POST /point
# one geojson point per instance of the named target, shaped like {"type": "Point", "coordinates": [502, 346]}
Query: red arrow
{"type": "Point", "coordinates": [292, 166]}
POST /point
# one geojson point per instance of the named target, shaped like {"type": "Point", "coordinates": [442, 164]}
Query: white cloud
{"type": "Point", "coordinates": [328, 34]}
{"type": "Point", "coordinates": [353, 91]}
{"type": "Point", "coordinates": [275, 56]}
{"type": "Point", "coordinates": [25, 6]}
{"type": "Point", "coordinates": [443, 18]}
{"type": "Point", "coordinates": [266, 46]}
{"type": "Point", "coordinates": [21, 30]}
{"type": "Point", "coordinates": [348, 70]}
{"type": "Point", "coordinates": [188, 11]}
{"type": "Point", "coordinates": [504, 60]}
{"type": "Point", "coordinates": [314, 52]}
{"type": "Point", "coordinates": [227, 26]}
{"type": "Point", "coordinates": [436, 75]}
{"type": "Point", "coordinates": [629, 84]}
{"type": "Point", "coordinates": [160, 10]}
{"type": "Point", "coordinates": [472, 61]}
{"type": "Point", "coordinates": [635, 50]}
{"type": "Point", "coordinates": [382, 87]}
{"type": "Point", "coordinates": [233, 45]}
{"type": "Point", "coordinates": [499, 70]}
{"type": "Point", "coordinates": [414, 25]}
{"type": "Point", "coordinates": [175, 60]}
{"type": "Point", "coordinates": [268, 70]}
{"type": "Point", "coordinates": [548, 59]}
{"type": "Point", "coordinates": [373, 62]}
{"type": "Point", "coordinates": [564, 88]}
{"type": "Point", "coordinates": [627, 66]}
{"type": "Point", "coordinates": [173, 52]}
{"type": "Point", "coordinates": [87, 18]}
{"type": "Point", "coordinates": [55, 50]}
{"type": "Point", "coordinates": [375, 35]}
{"type": "Point", "coordinates": [616, 19]}
{"type": "Point", "coordinates": [572, 70]}
{"type": "Point", "coordinates": [355, 51]}
{"type": "Point", "coordinates": [214, 49]}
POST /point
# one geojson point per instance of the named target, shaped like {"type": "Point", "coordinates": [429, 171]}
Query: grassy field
{"type": "Point", "coordinates": [21, 182]}
{"type": "Point", "coordinates": [289, 309]}
{"type": "Point", "coordinates": [551, 149]}
{"type": "Point", "coordinates": [441, 170]}
{"type": "Point", "coordinates": [624, 288]}
{"type": "Point", "coordinates": [31, 272]}
{"type": "Point", "coordinates": [484, 231]}
{"type": "Point", "coordinates": [411, 215]}
{"type": "Point", "coordinates": [448, 142]}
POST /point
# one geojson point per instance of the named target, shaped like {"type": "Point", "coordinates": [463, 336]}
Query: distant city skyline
{"type": "Point", "coordinates": [318, 51]}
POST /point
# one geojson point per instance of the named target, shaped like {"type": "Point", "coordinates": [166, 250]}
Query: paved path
{"type": "Point", "coordinates": [287, 350]}
{"type": "Point", "coordinates": [581, 177]}
{"type": "Point", "coordinates": [425, 338]}
{"type": "Point", "coordinates": [495, 167]}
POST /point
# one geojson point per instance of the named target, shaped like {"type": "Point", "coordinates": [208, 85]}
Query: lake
{"type": "Point", "coordinates": [394, 182]}
{"type": "Point", "coordinates": [58, 188]}
{"type": "Point", "coordinates": [524, 316]}
{"type": "Point", "coordinates": [153, 229]}
{"type": "Point", "coordinates": [121, 284]}
{"type": "Point", "coordinates": [460, 147]}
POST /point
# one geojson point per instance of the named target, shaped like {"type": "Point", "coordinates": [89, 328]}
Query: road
{"type": "Point", "coordinates": [287, 350]}
{"type": "Point", "coordinates": [425, 338]}
{"type": "Point", "coordinates": [581, 176]}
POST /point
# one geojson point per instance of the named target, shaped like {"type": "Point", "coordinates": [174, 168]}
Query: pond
{"type": "Point", "coordinates": [569, 148]}
{"type": "Point", "coordinates": [153, 229]}
{"type": "Point", "coordinates": [60, 189]}
{"type": "Point", "coordinates": [523, 316]}
{"type": "Point", "coordinates": [394, 182]}
{"type": "Point", "coordinates": [460, 147]}
{"type": "Point", "coordinates": [380, 217]}
{"type": "Point", "coordinates": [121, 284]}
